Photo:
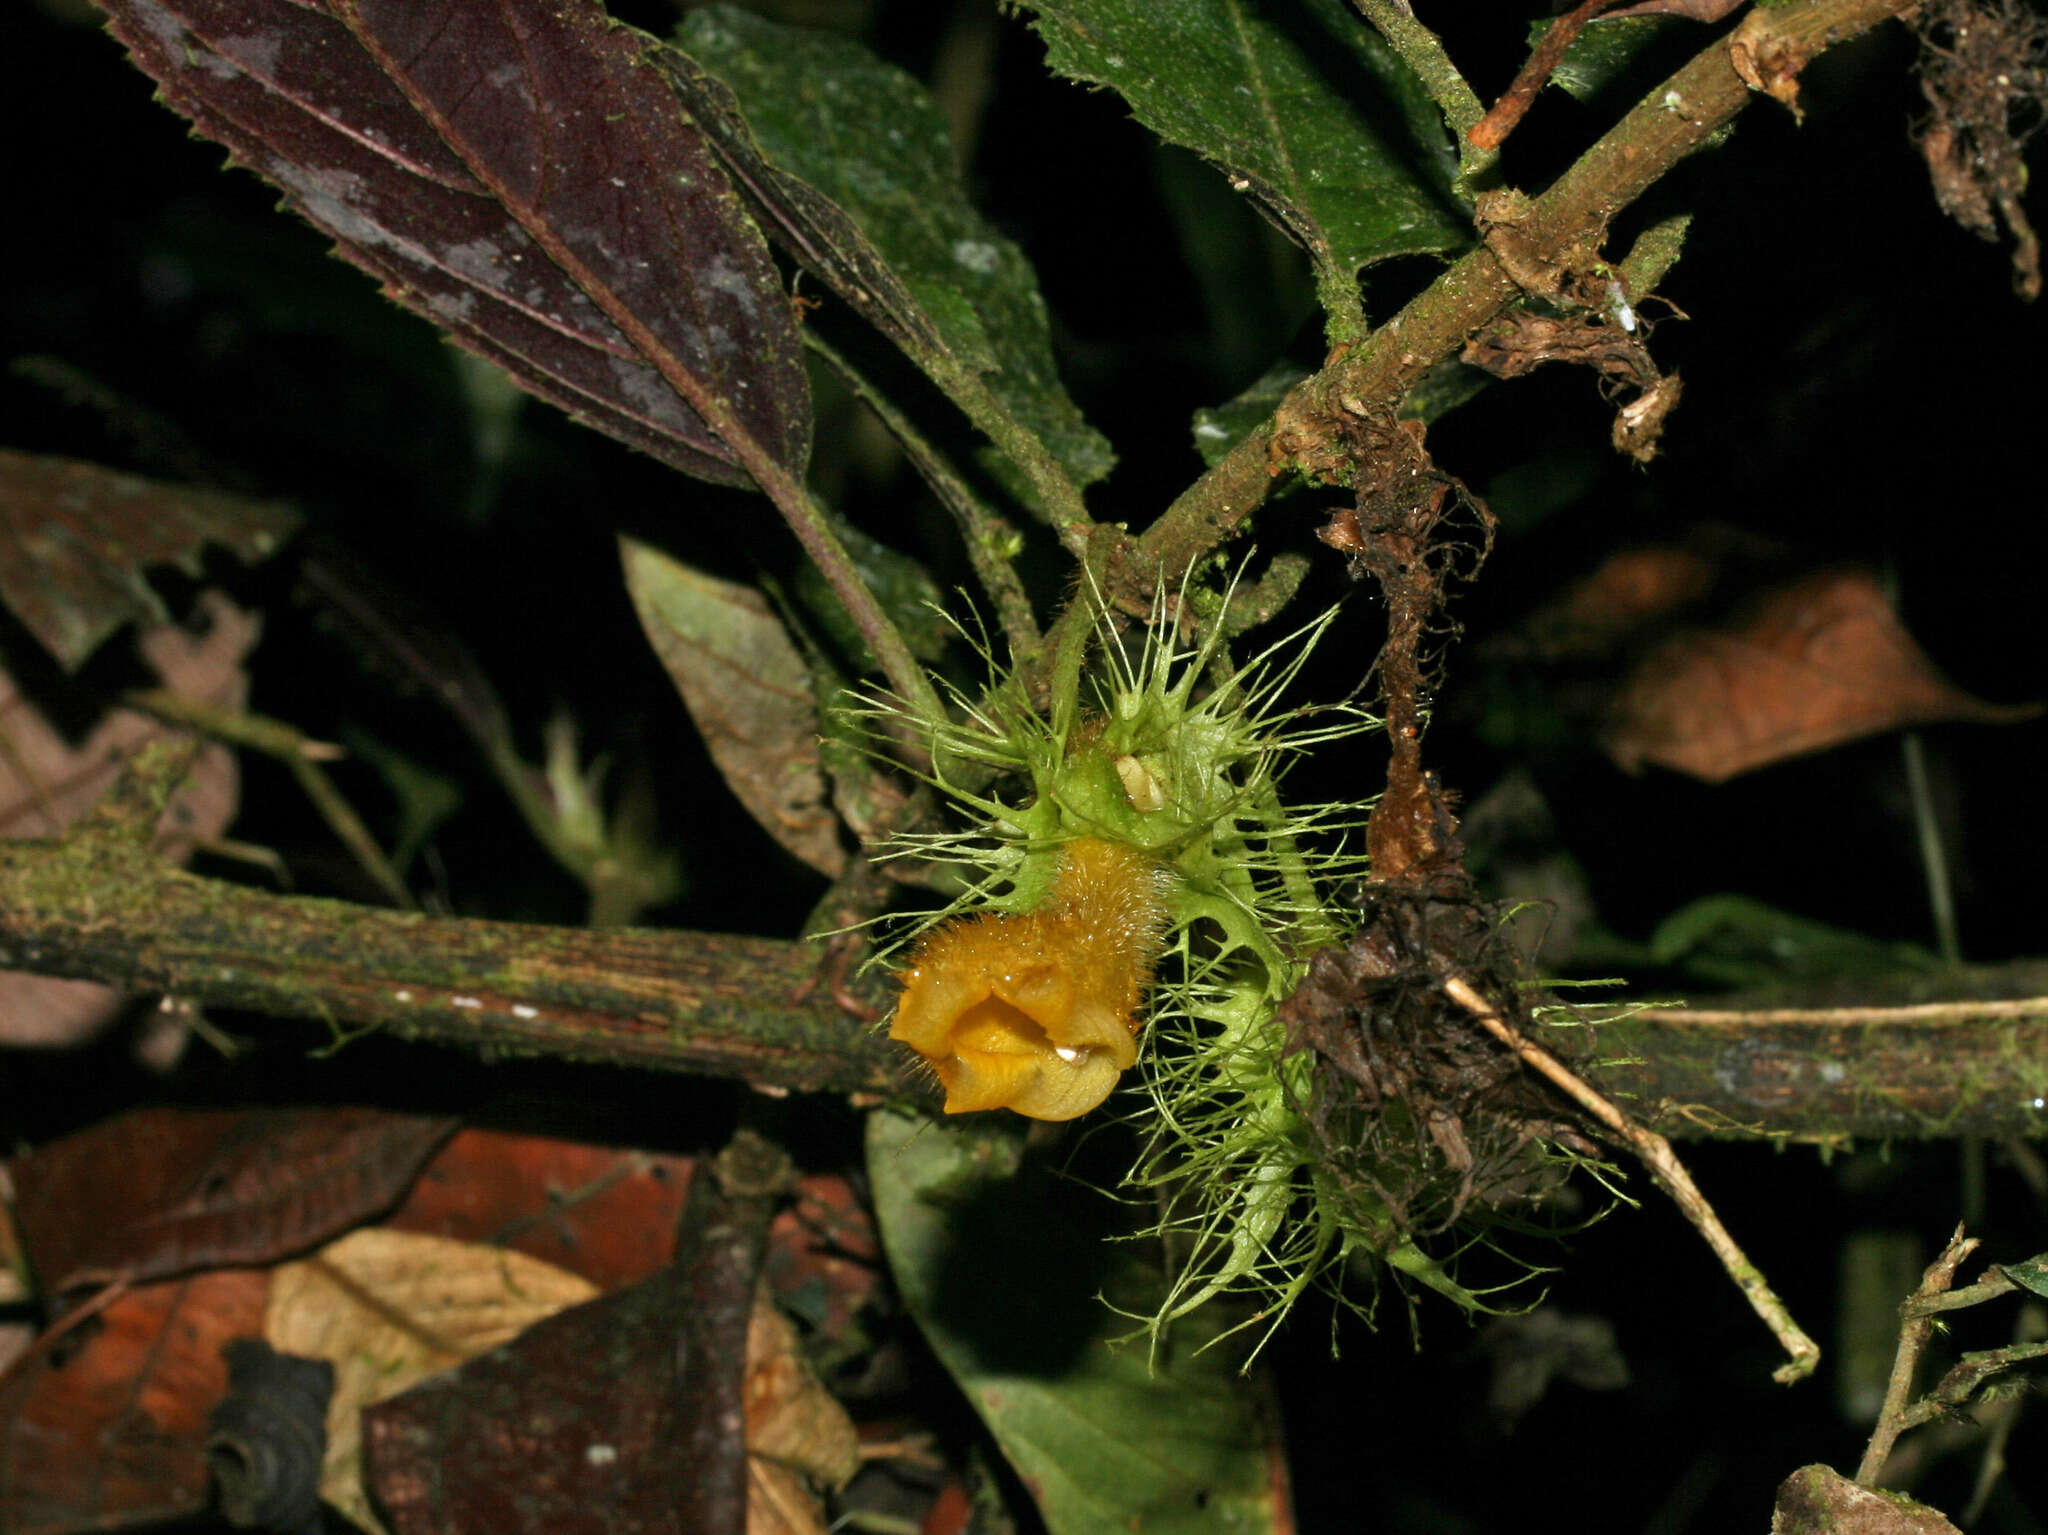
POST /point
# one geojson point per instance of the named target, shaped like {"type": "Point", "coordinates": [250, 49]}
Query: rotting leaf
{"type": "Point", "coordinates": [76, 541]}
{"type": "Point", "coordinates": [609, 1214]}
{"type": "Point", "coordinates": [604, 1213]}
{"type": "Point", "coordinates": [110, 1432]}
{"type": "Point", "coordinates": [749, 692]}
{"type": "Point", "coordinates": [888, 227]}
{"type": "Point", "coordinates": [1802, 667]}
{"type": "Point", "coordinates": [163, 1191]}
{"type": "Point", "coordinates": [388, 1309]}
{"type": "Point", "coordinates": [1984, 70]}
{"type": "Point", "coordinates": [792, 1419]}
{"type": "Point", "coordinates": [571, 1429]}
{"type": "Point", "coordinates": [568, 1429]}
{"type": "Point", "coordinates": [517, 174]}
{"type": "Point", "coordinates": [1302, 107]}
{"type": "Point", "coordinates": [1010, 1292]}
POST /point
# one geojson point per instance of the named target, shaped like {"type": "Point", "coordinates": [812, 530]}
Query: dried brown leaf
{"type": "Point", "coordinates": [48, 780]}
{"type": "Point", "coordinates": [778, 1502]}
{"type": "Point", "coordinates": [1805, 666]}
{"type": "Point", "coordinates": [164, 1191]}
{"type": "Point", "coordinates": [791, 1418]}
{"type": "Point", "coordinates": [108, 1431]}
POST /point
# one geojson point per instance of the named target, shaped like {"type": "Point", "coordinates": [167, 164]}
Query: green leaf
{"type": "Point", "coordinates": [1299, 103]}
{"type": "Point", "coordinates": [748, 690]}
{"type": "Point", "coordinates": [1001, 1267]}
{"type": "Point", "coordinates": [2030, 1274]}
{"type": "Point", "coordinates": [1602, 53]}
{"type": "Point", "coordinates": [1733, 940]}
{"type": "Point", "coordinates": [850, 165]}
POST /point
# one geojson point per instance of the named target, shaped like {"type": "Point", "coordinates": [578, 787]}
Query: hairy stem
{"type": "Point", "coordinates": [745, 1007]}
{"type": "Point", "coordinates": [814, 531]}
{"type": "Point", "coordinates": [990, 540]}
{"type": "Point", "coordinates": [1422, 52]}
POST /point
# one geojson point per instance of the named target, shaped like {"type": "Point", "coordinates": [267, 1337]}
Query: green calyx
{"type": "Point", "coordinates": [1163, 746]}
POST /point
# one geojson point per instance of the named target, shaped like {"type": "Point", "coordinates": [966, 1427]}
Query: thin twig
{"type": "Point", "coordinates": [1656, 1154]}
{"type": "Point", "coordinates": [1990, 1287]}
{"type": "Point", "coordinates": [1422, 52]}
{"type": "Point", "coordinates": [1491, 130]}
{"type": "Point", "coordinates": [1992, 1466]}
{"type": "Point", "coordinates": [1914, 1332]}
{"type": "Point", "coordinates": [302, 756]}
{"type": "Point", "coordinates": [1673, 121]}
{"type": "Point", "coordinates": [1906, 1013]}
{"type": "Point", "coordinates": [814, 530]}
{"type": "Point", "coordinates": [1933, 856]}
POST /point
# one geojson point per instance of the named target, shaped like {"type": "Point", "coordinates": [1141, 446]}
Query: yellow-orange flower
{"type": "Point", "coordinates": [1038, 1012]}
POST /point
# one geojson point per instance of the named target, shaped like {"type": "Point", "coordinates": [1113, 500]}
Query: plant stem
{"type": "Point", "coordinates": [814, 531]}
{"type": "Point", "coordinates": [1676, 119]}
{"type": "Point", "coordinates": [1671, 1175]}
{"type": "Point", "coordinates": [988, 536]}
{"type": "Point", "coordinates": [99, 904]}
{"type": "Point", "coordinates": [1422, 52]}
{"type": "Point", "coordinates": [1933, 857]}
{"type": "Point", "coordinates": [302, 756]}
{"type": "Point", "coordinates": [97, 909]}
{"type": "Point", "coordinates": [1914, 1332]}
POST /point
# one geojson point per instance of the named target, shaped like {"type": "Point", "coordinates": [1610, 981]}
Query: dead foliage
{"type": "Point", "coordinates": [1412, 1105]}
{"type": "Point", "coordinates": [1770, 62]}
{"type": "Point", "coordinates": [1724, 655]}
{"type": "Point", "coordinates": [1984, 71]}
{"type": "Point", "coordinates": [1414, 530]}
{"type": "Point", "coordinates": [1419, 1116]}
{"type": "Point", "coordinates": [1579, 310]}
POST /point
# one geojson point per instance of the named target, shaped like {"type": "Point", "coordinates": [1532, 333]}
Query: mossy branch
{"type": "Point", "coordinates": [100, 906]}
{"type": "Point", "coordinates": [1674, 120]}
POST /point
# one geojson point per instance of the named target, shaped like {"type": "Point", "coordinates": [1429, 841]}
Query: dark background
{"type": "Point", "coordinates": [1861, 386]}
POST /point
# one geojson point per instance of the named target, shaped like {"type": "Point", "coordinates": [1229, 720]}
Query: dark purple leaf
{"type": "Point", "coordinates": [570, 1429]}
{"type": "Point", "coordinates": [76, 539]}
{"type": "Point", "coordinates": [516, 172]}
{"type": "Point", "coordinates": [159, 1192]}
{"type": "Point", "coordinates": [623, 1416]}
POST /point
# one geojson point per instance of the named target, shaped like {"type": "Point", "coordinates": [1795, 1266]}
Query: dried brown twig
{"type": "Point", "coordinates": [1914, 1332]}
{"type": "Point", "coordinates": [1656, 1154]}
